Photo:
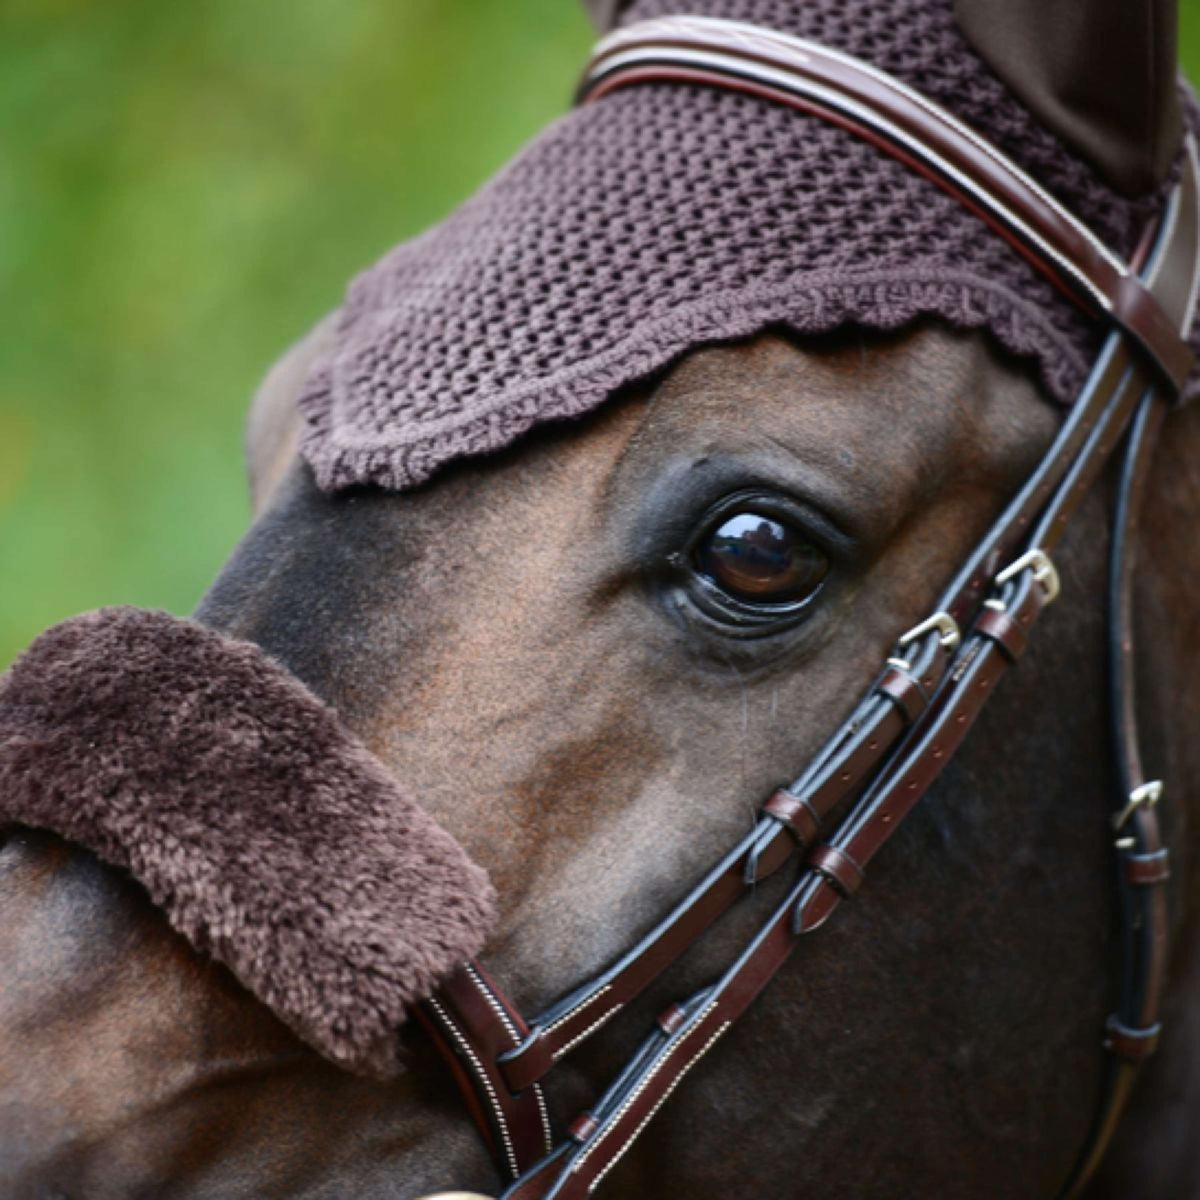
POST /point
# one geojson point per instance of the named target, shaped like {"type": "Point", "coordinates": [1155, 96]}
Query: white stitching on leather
{"type": "Point", "coordinates": [514, 1033]}
{"type": "Point", "coordinates": [494, 1004]}
{"type": "Point", "coordinates": [481, 1074]}
{"type": "Point", "coordinates": [633, 1137]}
{"type": "Point", "coordinates": [579, 1008]}
{"type": "Point", "coordinates": [586, 1033]}
{"type": "Point", "coordinates": [547, 1133]}
{"type": "Point", "coordinates": [632, 1099]}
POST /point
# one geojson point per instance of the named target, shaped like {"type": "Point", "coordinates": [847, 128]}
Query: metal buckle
{"type": "Point", "coordinates": [949, 635]}
{"type": "Point", "coordinates": [1044, 571]}
{"type": "Point", "coordinates": [947, 628]}
{"type": "Point", "coordinates": [1147, 796]}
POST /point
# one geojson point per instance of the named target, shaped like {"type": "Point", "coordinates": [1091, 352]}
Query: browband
{"type": "Point", "coordinates": [927, 695]}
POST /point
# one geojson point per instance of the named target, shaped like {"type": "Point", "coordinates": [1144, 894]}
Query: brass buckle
{"type": "Point", "coordinates": [1044, 571]}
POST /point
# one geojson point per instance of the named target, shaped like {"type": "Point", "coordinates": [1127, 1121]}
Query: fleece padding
{"type": "Point", "coordinates": [270, 836]}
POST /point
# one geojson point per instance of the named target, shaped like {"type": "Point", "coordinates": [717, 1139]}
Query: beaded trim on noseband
{"type": "Point", "coordinates": [929, 692]}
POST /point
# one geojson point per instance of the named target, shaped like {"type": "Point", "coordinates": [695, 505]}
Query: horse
{"type": "Point", "coordinates": [504, 639]}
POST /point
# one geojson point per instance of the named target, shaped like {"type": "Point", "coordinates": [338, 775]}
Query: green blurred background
{"type": "Point", "coordinates": [184, 189]}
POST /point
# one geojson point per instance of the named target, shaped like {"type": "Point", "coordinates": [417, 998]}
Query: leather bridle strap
{"type": "Point", "coordinates": [1142, 858]}
{"type": "Point", "coordinates": [920, 692]}
{"type": "Point", "coordinates": [898, 696]}
{"type": "Point", "coordinates": [474, 1025]}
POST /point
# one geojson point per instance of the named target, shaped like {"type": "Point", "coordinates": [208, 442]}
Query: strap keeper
{"type": "Point", "coordinates": [796, 813]}
{"type": "Point", "coordinates": [904, 691]}
{"type": "Point", "coordinates": [582, 1127]}
{"type": "Point", "coordinates": [671, 1018]}
{"type": "Point", "coordinates": [528, 1063]}
{"type": "Point", "coordinates": [998, 626]}
{"type": "Point", "coordinates": [1146, 870]}
{"type": "Point", "coordinates": [1133, 1045]}
{"type": "Point", "coordinates": [838, 867]}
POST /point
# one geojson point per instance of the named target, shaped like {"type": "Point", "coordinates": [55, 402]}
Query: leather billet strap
{"type": "Point", "coordinates": [911, 719]}
{"type": "Point", "coordinates": [814, 78]}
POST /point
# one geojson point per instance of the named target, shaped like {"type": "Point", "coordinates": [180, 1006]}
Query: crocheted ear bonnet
{"type": "Point", "coordinates": [667, 215]}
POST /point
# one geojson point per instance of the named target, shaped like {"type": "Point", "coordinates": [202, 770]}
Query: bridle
{"type": "Point", "coordinates": [919, 708]}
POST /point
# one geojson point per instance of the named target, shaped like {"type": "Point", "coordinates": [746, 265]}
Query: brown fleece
{"type": "Point", "coordinates": [272, 838]}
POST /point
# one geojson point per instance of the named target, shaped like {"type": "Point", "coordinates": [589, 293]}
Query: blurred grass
{"type": "Point", "coordinates": [184, 189]}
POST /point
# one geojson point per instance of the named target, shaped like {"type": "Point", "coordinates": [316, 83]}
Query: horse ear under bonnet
{"type": "Point", "coordinates": [269, 835]}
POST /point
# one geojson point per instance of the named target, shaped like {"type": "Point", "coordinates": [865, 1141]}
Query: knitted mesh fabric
{"type": "Point", "coordinates": [667, 216]}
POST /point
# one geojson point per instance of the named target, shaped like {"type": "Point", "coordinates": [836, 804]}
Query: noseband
{"type": "Point", "coordinates": [927, 695]}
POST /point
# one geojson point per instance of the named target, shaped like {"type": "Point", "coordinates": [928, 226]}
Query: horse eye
{"type": "Point", "coordinates": [758, 559]}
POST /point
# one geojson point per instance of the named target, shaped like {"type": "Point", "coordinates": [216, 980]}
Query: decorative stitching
{"type": "Point", "coordinates": [568, 1016]}
{"type": "Point", "coordinates": [494, 1004]}
{"type": "Point", "coordinates": [585, 1034]}
{"type": "Point", "coordinates": [498, 1008]}
{"type": "Point", "coordinates": [632, 1099]}
{"type": "Point", "coordinates": [482, 1076]}
{"type": "Point", "coordinates": [654, 1110]}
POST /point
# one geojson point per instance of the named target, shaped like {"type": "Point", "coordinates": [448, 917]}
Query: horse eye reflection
{"type": "Point", "coordinates": [760, 559]}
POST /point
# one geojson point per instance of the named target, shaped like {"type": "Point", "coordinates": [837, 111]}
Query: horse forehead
{"type": "Point", "coordinates": [887, 413]}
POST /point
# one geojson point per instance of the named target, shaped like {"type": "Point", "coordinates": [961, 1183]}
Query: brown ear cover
{"type": "Point", "coordinates": [1100, 73]}
{"type": "Point", "coordinates": [270, 836]}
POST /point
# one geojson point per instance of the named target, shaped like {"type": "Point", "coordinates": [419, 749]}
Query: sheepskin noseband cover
{"type": "Point", "coordinates": [270, 836]}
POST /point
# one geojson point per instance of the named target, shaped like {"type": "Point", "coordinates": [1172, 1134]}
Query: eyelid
{"type": "Point", "coordinates": [811, 521]}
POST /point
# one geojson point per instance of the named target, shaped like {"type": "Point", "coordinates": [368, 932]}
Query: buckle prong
{"type": "Point", "coordinates": [1146, 796]}
{"type": "Point", "coordinates": [1044, 571]}
{"type": "Point", "coordinates": [947, 630]}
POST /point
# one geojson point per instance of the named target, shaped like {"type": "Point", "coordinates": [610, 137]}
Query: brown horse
{"type": "Point", "coordinates": [503, 635]}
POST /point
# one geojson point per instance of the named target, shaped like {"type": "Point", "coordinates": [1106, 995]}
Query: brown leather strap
{"type": "Point", "coordinates": [471, 1018]}
{"type": "Point", "coordinates": [838, 868]}
{"type": "Point", "coordinates": [999, 625]}
{"type": "Point", "coordinates": [907, 692]}
{"type": "Point", "coordinates": [854, 752]}
{"type": "Point", "coordinates": [1132, 1033]}
{"type": "Point", "coordinates": [856, 96]}
{"type": "Point", "coordinates": [796, 813]}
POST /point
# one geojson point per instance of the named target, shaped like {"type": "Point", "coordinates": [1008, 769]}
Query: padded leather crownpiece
{"type": "Point", "coordinates": [270, 836]}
